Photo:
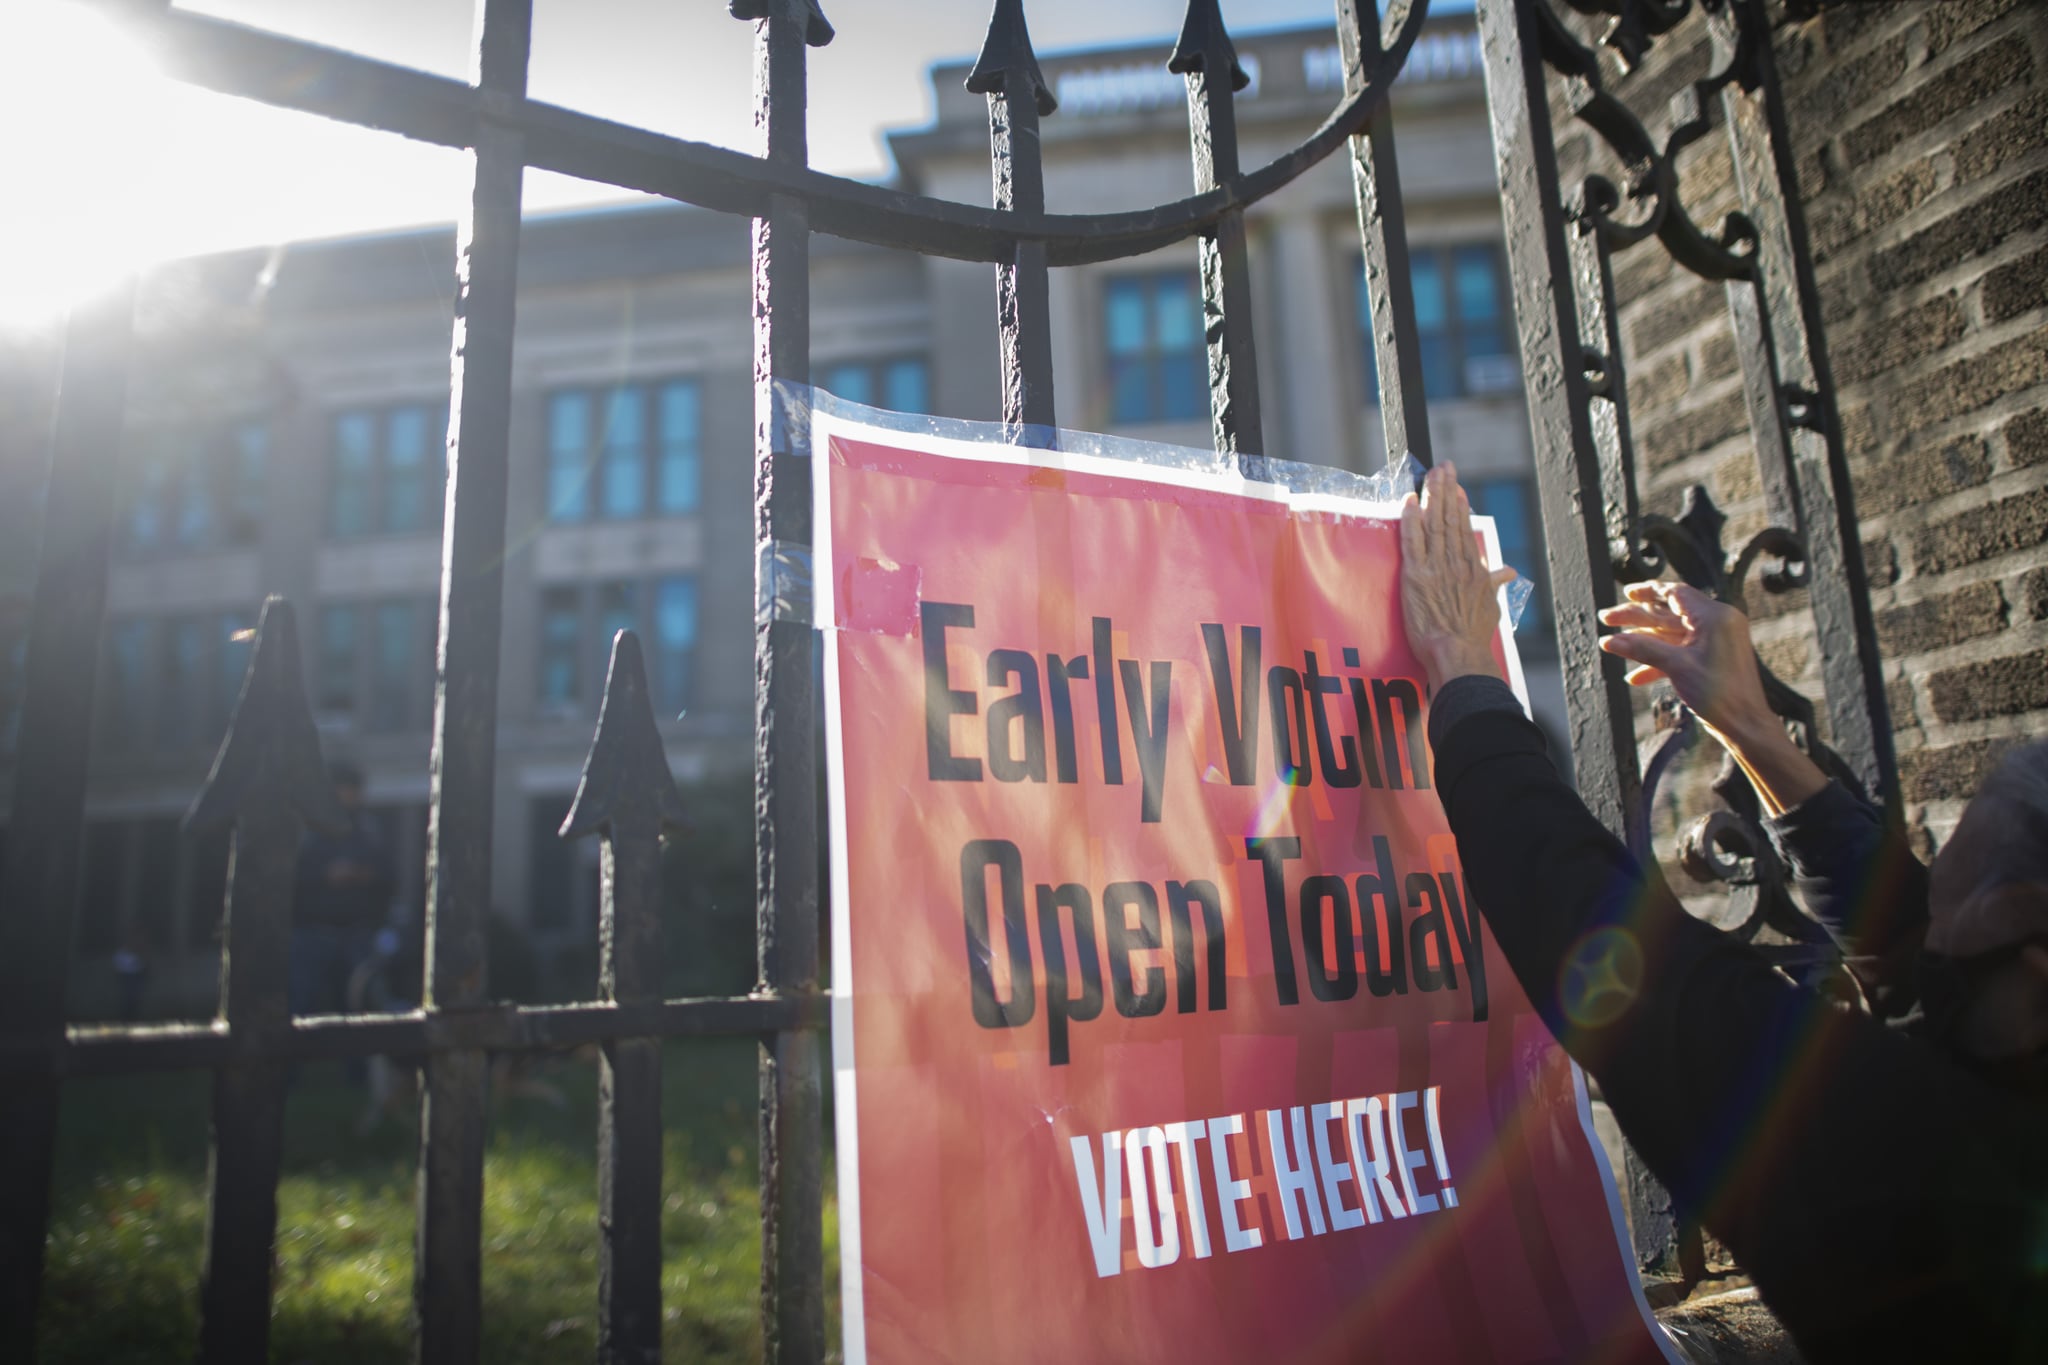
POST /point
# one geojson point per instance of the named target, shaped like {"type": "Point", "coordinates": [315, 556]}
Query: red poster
{"type": "Point", "coordinates": [1164, 1027]}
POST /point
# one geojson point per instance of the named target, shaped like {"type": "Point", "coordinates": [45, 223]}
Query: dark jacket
{"type": "Point", "coordinates": [1889, 1204]}
{"type": "Point", "coordinates": [363, 898]}
{"type": "Point", "coordinates": [1858, 877]}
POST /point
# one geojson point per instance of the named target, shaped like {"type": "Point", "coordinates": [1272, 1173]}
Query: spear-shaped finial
{"type": "Point", "coordinates": [1006, 57]}
{"type": "Point", "coordinates": [626, 773]}
{"type": "Point", "coordinates": [271, 752]}
{"type": "Point", "coordinates": [1205, 46]}
{"type": "Point", "coordinates": [817, 28]}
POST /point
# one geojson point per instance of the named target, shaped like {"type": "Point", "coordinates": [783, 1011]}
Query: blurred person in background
{"type": "Point", "coordinates": [342, 895]}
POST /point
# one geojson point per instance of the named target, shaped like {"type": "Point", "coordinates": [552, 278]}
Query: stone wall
{"type": "Point", "coordinates": [1922, 138]}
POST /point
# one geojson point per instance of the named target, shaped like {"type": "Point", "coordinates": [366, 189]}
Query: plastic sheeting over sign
{"type": "Point", "coordinates": [1165, 1028]}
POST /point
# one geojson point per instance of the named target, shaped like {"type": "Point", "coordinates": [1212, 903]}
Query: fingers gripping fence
{"type": "Point", "coordinates": [267, 783]}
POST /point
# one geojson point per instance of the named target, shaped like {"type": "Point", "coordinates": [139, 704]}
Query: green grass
{"type": "Point", "coordinates": [129, 1216]}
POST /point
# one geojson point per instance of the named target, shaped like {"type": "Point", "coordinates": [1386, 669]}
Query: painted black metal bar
{"type": "Point", "coordinates": [1383, 235]}
{"type": "Point", "coordinates": [1859, 715]}
{"type": "Point", "coordinates": [1205, 56]}
{"type": "Point", "coordinates": [447, 1272]}
{"type": "Point", "coordinates": [39, 876]}
{"type": "Point", "coordinates": [785, 705]}
{"type": "Point", "coordinates": [105, 1051]}
{"type": "Point", "coordinates": [629, 797]}
{"type": "Point", "coordinates": [1607, 385]}
{"type": "Point", "coordinates": [1018, 97]}
{"type": "Point", "coordinates": [292, 74]}
{"type": "Point", "coordinates": [1554, 376]}
{"type": "Point", "coordinates": [267, 783]}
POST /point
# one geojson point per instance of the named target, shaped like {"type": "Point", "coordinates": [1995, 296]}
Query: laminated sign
{"type": "Point", "coordinates": [1165, 1027]}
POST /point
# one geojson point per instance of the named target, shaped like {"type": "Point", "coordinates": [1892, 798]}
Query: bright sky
{"type": "Point", "coordinates": [119, 167]}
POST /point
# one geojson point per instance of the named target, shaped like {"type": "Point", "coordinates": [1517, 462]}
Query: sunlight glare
{"type": "Point", "coordinates": [81, 107]}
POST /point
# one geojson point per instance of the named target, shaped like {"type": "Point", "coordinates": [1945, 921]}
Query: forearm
{"type": "Point", "coordinates": [1782, 775]}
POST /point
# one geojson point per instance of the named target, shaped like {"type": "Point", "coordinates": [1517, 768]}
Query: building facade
{"type": "Point", "coordinates": [288, 416]}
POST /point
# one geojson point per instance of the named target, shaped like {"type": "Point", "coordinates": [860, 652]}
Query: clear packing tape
{"type": "Point", "coordinates": [782, 569]}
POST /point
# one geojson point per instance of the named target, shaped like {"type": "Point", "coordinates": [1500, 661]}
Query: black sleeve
{"type": "Point", "coordinates": [1858, 877]}
{"type": "Point", "coordinates": [1882, 1199]}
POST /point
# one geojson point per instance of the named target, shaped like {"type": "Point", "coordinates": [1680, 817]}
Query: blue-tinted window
{"type": "Point", "coordinates": [624, 444]}
{"type": "Point", "coordinates": [561, 630]}
{"type": "Point", "coordinates": [129, 684]}
{"type": "Point", "coordinates": [394, 671]}
{"type": "Point", "coordinates": [353, 475]}
{"type": "Point", "coordinates": [1511, 502]}
{"type": "Point", "coordinates": [680, 418]}
{"type": "Point", "coordinates": [854, 383]}
{"type": "Point", "coordinates": [181, 694]}
{"type": "Point", "coordinates": [149, 510]}
{"type": "Point", "coordinates": [194, 495]}
{"type": "Point", "coordinates": [335, 681]}
{"type": "Point", "coordinates": [194, 487]}
{"type": "Point", "coordinates": [906, 386]}
{"type": "Point", "coordinates": [1462, 322]}
{"type": "Point", "coordinates": [248, 475]}
{"type": "Point", "coordinates": [675, 642]}
{"type": "Point", "coordinates": [408, 472]}
{"type": "Point", "coordinates": [1152, 329]}
{"type": "Point", "coordinates": [569, 457]}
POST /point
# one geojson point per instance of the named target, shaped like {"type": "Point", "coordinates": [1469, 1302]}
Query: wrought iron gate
{"type": "Point", "coordinates": [267, 781]}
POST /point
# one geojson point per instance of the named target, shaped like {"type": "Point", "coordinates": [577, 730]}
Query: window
{"type": "Point", "coordinates": [396, 700]}
{"type": "Point", "coordinates": [127, 683]}
{"type": "Point", "coordinates": [336, 680]}
{"type": "Point", "coordinates": [1157, 358]}
{"type": "Point", "coordinates": [196, 488]}
{"type": "Point", "coordinates": [561, 630]}
{"type": "Point", "coordinates": [387, 471]}
{"type": "Point", "coordinates": [579, 623]}
{"type": "Point", "coordinates": [675, 640]}
{"type": "Point", "coordinates": [620, 453]}
{"type": "Point", "coordinates": [902, 385]}
{"type": "Point", "coordinates": [1511, 502]}
{"type": "Point", "coordinates": [1461, 322]}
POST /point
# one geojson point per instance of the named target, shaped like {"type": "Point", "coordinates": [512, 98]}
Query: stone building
{"type": "Point", "coordinates": [288, 409]}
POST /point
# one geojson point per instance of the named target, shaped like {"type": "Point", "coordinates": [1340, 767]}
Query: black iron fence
{"type": "Point", "coordinates": [268, 782]}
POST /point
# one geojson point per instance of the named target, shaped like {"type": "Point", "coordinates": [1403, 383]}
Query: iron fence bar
{"type": "Point", "coordinates": [629, 797]}
{"type": "Point", "coordinates": [267, 783]}
{"type": "Point", "coordinates": [1607, 413]}
{"type": "Point", "coordinates": [1205, 56]}
{"type": "Point", "coordinates": [447, 1272]}
{"type": "Point", "coordinates": [292, 74]}
{"type": "Point", "coordinates": [39, 876]}
{"type": "Point", "coordinates": [1018, 97]}
{"type": "Point", "coordinates": [1764, 400]}
{"type": "Point", "coordinates": [1553, 369]}
{"type": "Point", "coordinates": [785, 704]}
{"type": "Point", "coordinates": [1383, 236]}
{"type": "Point", "coordinates": [1767, 178]}
{"type": "Point", "coordinates": [102, 1051]}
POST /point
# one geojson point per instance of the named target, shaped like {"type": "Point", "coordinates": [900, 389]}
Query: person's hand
{"type": "Point", "coordinates": [1675, 632]}
{"type": "Point", "coordinates": [1450, 600]}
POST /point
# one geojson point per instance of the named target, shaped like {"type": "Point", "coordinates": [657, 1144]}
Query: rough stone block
{"type": "Point", "coordinates": [1643, 268]}
{"type": "Point", "coordinates": [1887, 343]}
{"type": "Point", "coordinates": [2002, 139]}
{"type": "Point", "coordinates": [1843, 219]}
{"type": "Point", "coordinates": [1658, 322]}
{"type": "Point", "coordinates": [2033, 591]}
{"type": "Point", "coordinates": [1717, 360]}
{"type": "Point", "coordinates": [1898, 699]}
{"type": "Point", "coordinates": [2018, 523]}
{"type": "Point", "coordinates": [1970, 383]}
{"type": "Point", "coordinates": [1995, 687]}
{"type": "Point", "coordinates": [1688, 433]}
{"type": "Point", "coordinates": [1652, 388]}
{"type": "Point", "coordinates": [1852, 82]}
{"type": "Point", "coordinates": [1911, 475]}
{"type": "Point", "coordinates": [1953, 773]}
{"type": "Point", "coordinates": [1965, 614]}
{"type": "Point", "coordinates": [1975, 78]}
{"type": "Point", "coordinates": [1969, 231]}
{"type": "Point", "coordinates": [2026, 438]}
{"type": "Point", "coordinates": [2018, 286]}
{"type": "Point", "coordinates": [1959, 19]}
